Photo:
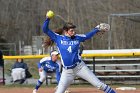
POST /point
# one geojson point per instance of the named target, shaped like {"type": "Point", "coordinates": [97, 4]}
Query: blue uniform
{"type": "Point", "coordinates": [71, 56]}
{"type": "Point", "coordinates": [71, 59]}
{"type": "Point", "coordinates": [49, 66]}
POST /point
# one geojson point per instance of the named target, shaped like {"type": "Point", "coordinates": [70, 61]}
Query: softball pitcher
{"type": "Point", "coordinates": [51, 64]}
{"type": "Point", "coordinates": [68, 46]}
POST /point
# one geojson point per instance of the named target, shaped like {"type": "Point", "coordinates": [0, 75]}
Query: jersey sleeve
{"type": "Point", "coordinates": [88, 35]}
{"type": "Point", "coordinates": [40, 64]}
{"type": "Point", "coordinates": [47, 31]}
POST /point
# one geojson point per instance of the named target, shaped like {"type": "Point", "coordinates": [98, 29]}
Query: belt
{"type": "Point", "coordinates": [72, 66]}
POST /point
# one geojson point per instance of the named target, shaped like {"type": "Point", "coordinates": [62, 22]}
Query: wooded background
{"type": "Point", "coordinates": [22, 19]}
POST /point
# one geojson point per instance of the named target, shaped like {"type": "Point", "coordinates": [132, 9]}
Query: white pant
{"type": "Point", "coordinates": [18, 74]}
{"type": "Point", "coordinates": [82, 71]}
{"type": "Point", "coordinates": [43, 75]}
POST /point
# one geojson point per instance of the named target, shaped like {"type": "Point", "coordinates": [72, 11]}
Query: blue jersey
{"type": "Point", "coordinates": [67, 46]}
{"type": "Point", "coordinates": [49, 66]}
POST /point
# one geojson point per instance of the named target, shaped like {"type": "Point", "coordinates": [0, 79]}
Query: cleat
{"type": "Point", "coordinates": [67, 91]}
{"type": "Point", "coordinates": [34, 91]}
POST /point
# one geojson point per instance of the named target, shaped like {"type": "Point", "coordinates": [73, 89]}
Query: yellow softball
{"type": "Point", "coordinates": [50, 14]}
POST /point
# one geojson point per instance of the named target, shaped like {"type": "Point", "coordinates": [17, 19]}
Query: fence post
{"type": "Point", "coordinates": [2, 68]}
{"type": "Point", "coordinates": [93, 62]}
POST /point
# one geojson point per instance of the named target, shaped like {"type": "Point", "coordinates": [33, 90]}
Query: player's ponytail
{"type": "Point", "coordinates": [47, 42]}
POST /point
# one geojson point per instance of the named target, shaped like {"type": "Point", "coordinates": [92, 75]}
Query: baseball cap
{"type": "Point", "coordinates": [54, 53]}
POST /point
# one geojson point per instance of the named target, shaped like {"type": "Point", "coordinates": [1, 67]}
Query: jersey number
{"type": "Point", "coordinates": [69, 49]}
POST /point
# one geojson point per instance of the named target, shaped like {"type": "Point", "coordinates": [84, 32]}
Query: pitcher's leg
{"type": "Point", "coordinates": [88, 75]}
{"type": "Point", "coordinates": [65, 80]}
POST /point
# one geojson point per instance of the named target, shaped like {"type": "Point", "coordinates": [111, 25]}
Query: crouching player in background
{"type": "Point", "coordinates": [48, 64]}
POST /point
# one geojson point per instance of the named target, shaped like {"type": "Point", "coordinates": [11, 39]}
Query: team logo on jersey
{"type": "Point", "coordinates": [69, 42]}
{"type": "Point", "coordinates": [49, 66]}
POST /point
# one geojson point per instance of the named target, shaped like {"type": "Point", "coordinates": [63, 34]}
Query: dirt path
{"type": "Point", "coordinates": [51, 90]}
